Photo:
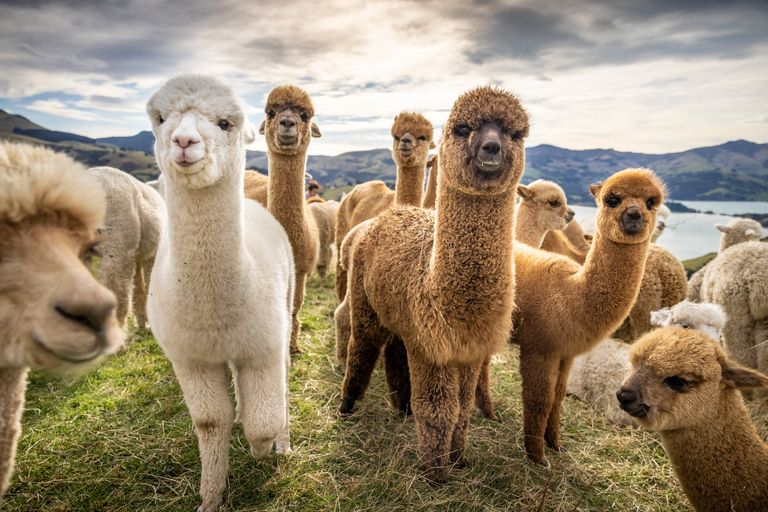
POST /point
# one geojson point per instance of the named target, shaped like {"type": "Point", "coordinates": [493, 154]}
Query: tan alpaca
{"type": "Point", "coordinates": [430, 195]}
{"type": "Point", "coordinates": [685, 387]}
{"type": "Point", "coordinates": [53, 313]}
{"type": "Point", "coordinates": [571, 242]}
{"type": "Point", "coordinates": [564, 309]}
{"type": "Point", "coordinates": [288, 128]}
{"type": "Point", "coordinates": [324, 213]}
{"type": "Point", "coordinates": [411, 142]}
{"type": "Point", "coordinates": [543, 207]}
{"type": "Point", "coordinates": [439, 285]}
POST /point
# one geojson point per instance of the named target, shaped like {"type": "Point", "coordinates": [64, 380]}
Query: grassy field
{"type": "Point", "coordinates": [119, 438]}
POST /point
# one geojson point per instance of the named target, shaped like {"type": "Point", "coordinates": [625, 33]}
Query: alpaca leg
{"type": "Point", "coordinates": [260, 403]}
{"type": "Point", "coordinates": [139, 299]}
{"type": "Point", "coordinates": [13, 384]}
{"type": "Point", "coordinates": [283, 441]}
{"type": "Point", "coordinates": [435, 403]}
{"type": "Point", "coordinates": [468, 375]}
{"type": "Point", "coordinates": [298, 300]}
{"type": "Point", "coordinates": [116, 273]}
{"type": "Point", "coordinates": [738, 332]}
{"type": "Point", "coordinates": [760, 342]}
{"type": "Point", "coordinates": [340, 282]}
{"type": "Point", "coordinates": [540, 376]}
{"type": "Point", "coordinates": [551, 436]}
{"type": "Point", "coordinates": [343, 328]}
{"type": "Point", "coordinates": [206, 391]}
{"type": "Point", "coordinates": [483, 399]}
{"type": "Point", "coordinates": [398, 375]}
{"type": "Point", "coordinates": [323, 259]}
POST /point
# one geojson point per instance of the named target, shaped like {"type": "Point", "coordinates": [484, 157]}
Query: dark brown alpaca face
{"type": "Point", "coordinates": [482, 149]}
{"type": "Point", "coordinates": [627, 204]}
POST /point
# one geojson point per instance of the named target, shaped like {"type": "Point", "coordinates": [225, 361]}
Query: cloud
{"type": "Point", "coordinates": [59, 108]}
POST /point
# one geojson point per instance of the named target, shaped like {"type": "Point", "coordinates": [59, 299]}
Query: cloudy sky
{"type": "Point", "coordinates": [652, 76]}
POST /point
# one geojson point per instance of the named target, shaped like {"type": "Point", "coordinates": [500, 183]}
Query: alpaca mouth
{"type": "Point", "coordinates": [70, 358]}
{"type": "Point", "coordinates": [287, 140]}
{"type": "Point", "coordinates": [635, 410]}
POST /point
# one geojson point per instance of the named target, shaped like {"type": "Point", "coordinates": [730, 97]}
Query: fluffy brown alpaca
{"type": "Point", "coordinates": [664, 284]}
{"type": "Point", "coordinates": [543, 207]}
{"type": "Point", "coordinates": [439, 286]}
{"type": "Point", "coordinates": [564, 309]}
{"type": "Point", "coordinates": [685, 387]}
{"type": "Point", "coordinates": [53, 313]}
{"type": "Point", "coordinates": [411, 142]}
{"type": "Point", "coordinates": [288, 128]}
{"type": "Point", "coordinates": [430, 195]}
{"type": "Point", "coordinates": [325, 218]}
{"type": "Point", "coordinates": [571, 242]}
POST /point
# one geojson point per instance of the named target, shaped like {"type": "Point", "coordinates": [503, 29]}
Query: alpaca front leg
{"type": "Point", "coordinates": [116, 273]}
{"type": "Point", "coordinates": [343, 332]}
{"type": "Point", "coordinates": [551, 436]}
{"type": "Point", "coordinates": [435, 404]}
{"type": "Point", "coordinates": [139, 299]}
{"type": "Point", "coordinates": [398, 375]}
{"type": "Point", "coordinates": [540, 376]}
{"type": "Point", "coordinates": [483, 398]}
{"type": "Point", "coordinates": [13, 384]}
{"type": "Point", "coordinates": [206, 391]}
{"type": "Point", "coordinates": [298, 300]}
{"type": "Point", "coordinates": [468, 383]}
{"type": "Point", "coordinates": [261, 404]}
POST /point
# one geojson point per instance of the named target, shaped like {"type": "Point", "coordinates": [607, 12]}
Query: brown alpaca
{"type": "Point", "coordinates": [288, 128]}
{"type": "Point", "coordinates": [571, 242]}
{"type": "Point", "coordinates": [664, 284]}
{"type": "Point", "coordinates": [543, 207]}
{"type": "Point", "coordinates": [411, 142]}
{"type": "Point", "coordinates": [685, 387]}
{"type": "Point", "coordinates": [430, 195]}
{"type": "Point", "coordinates": [439, 286]}
{"type": "Point", "coordinates": [564, 309]}
{"type": "Point", "coordinates": [53, 313]}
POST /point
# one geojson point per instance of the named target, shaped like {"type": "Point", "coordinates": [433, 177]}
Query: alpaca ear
{"type": "Point", "coordinates": [750, 232]}
{"type": "Point", "coordinates": [659, 318]}
{"type": "Point", "coordinates": [595, 188]}
{"type": "Point", "coordinates": [524, 192]}
{"type": "Point", "coordinates": [263, 127]}
{"type": "Point", "coordinates": [722, 228]}
{"type": "Point", "coordinates": [315, 130]}
{"type": "Point", "coordinates": [249, 134]}
{"type": "Point", "coordinates": [739, 377]}
{"type": "Point", "coordinates": [432, 145]}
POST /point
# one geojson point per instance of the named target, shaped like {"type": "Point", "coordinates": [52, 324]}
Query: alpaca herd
{"type": "Point", "coordinates": [215, 260]}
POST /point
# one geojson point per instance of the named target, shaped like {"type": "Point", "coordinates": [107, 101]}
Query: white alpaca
{"type": "Point", "coordinates": [222, 288]}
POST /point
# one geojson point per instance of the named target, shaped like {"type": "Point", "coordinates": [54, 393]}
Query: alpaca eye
{"type": "Point", "coordinates": [422, 138]}
{"type": "Point", "coordinates": [91, 252]}
{"type": "Point", "coordinates": [517, 136]}
{"type": "Point", "coordinates": [224, 124]}
{"type": "Point", "coordinates": [650, 203]}
{"type": "Point", "coordinates": [271, 114]}
{"type": "Point", "coordinates": [462, 130]}
{"type": "Point", "coordinates": [554, 204]}
{"type": "Point", "coordinates": [612, 201]}
{"type": "Point", "coordinates": [397, 138]}
{"type": "Point", "coordinates": [304, 117]}
{"type": "Point", "coordinates": [685, 326]}
{"type": "Point", "coordinates": [161, 119]}
{"type": "Point", "coordinates": [676, 383]}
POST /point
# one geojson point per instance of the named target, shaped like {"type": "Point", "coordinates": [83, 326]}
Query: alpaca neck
{"type": "Point", "coordinates": [609, 283]}
{"type": "Point", "coordinates": [527, 230]}
{"type": "Point", "coordinates": [471, 269]}
{"type": "Point", "coordinates": [715, 461]}
{"type": "Point", "coordinates": [430, 196]}
{"type": "Point", "coordinates": [410, 185]}
{"type": "Point", "coordinates": [286, 189]}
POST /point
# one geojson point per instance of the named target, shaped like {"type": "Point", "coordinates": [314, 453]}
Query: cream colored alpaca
{"type": "Point", "coordinates": [543, 207]}
{"type": "Point", "coordinates": [325, 217]}
{"type": "Point", "coordinates": [222, 289]}
{"type": "Point", "coordinates": [53, 313]}
{"type": "Point", "coordinates": [288, 129]}
{"type": "Point", "coordinates": [685, 387]}
{"type": "Point", "coordinates": [128, 241]}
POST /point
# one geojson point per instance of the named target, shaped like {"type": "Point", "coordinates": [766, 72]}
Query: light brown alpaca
{"type": "Point", "coordinates": [439, 285]}
{"type": "Point", "coordinates": [685, 387]}
{"type": "Point", "coordinates": [288, 128]}
{"type": "Point", "coordinates": [411, 142]}
{"type": "Point", "coordinates": [324, 213]}
{"type": "Point", "coordinates": [571, 242]}
{"type": "Point", "coordinates": [53, 313]}
{"type": "Point", "coordinates": [430, 195]}
{"type": "Point", "coordinates": [564, 309]}
{"type": "Point", "coordinates": [543, 207]}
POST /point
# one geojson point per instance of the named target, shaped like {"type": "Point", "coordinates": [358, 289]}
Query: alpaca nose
{"type": "Point", "coordinates": [633, 220]}
{"type": "Point", "coordinates": [287, 123]}
{"type": "Point", "coordinates": [406, 141]}
{"type": "Point", "coordinates": [85, 302]}
{"type": "Point", "coordinates": [569, 216]}
{"type": "Point", "coordinates": [186, 134]}
{"type": "Point", "coordinates": [490, 147]}
{"type": "Point", "coordinates": [627, 396]}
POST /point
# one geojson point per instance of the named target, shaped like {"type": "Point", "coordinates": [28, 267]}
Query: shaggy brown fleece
{"type": "Point", "coordinates": [288, 128]}
{"type": "Point", "coordinates": [685, 387]}
{"type": "Point", "coordinates": [439, 285]}
{"type": "Point", "coordinates": [411, 141]}
{"type": "Point", "coordinates": [430, 195]}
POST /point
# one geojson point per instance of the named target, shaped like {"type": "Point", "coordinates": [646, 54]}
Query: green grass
{"type": "Point", "coordinates": [119, 438]}
{"type": "Point", "coordinates": [694, 264]}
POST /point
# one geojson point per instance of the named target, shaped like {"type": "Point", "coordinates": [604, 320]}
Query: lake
{"type": "Point", "coordinates": [690, 235]}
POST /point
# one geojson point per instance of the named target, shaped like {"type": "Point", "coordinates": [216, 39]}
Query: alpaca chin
{"type": "Point", "coordinates": [200, 175]}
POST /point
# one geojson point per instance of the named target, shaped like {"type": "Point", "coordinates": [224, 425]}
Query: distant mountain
{"type": "Point", "coordinates": [53, 136]}
{"type": "Point", "coordinates": [143, 141]}
{"type": "Point", "coordinates": [10, 121]}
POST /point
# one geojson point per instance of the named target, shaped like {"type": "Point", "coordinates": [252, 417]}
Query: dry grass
{"type": "Point", "coordinates": [120, 439]}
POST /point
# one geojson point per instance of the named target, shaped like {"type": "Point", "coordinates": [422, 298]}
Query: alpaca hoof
{"type": "Point", "coordinates": [282, 448]}
{"type": "Point", "coordinates": [208, 507]}
{"type": "Point", "coordinates": [296, 351]}
{"type": "Point", "coordinates": [406, 410]}
{"type": "Point", "coordinates": [460, 463]}
{"type": "Point", "coordinates": [559, 448]}
{"type": "Point", "coordinates": [436, 477]}
{"type": "Point", "coordinates": [345, 409]}
{"type": "Point", "coordinates": [492, 417]}
{"type": "Point", "coordinates": [260, 449]}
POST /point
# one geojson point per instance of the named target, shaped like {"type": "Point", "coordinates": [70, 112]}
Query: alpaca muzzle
{"type": "Point", "coordinates": [632, 220]}
{"type": "Point", "coordinates": [632, 402]}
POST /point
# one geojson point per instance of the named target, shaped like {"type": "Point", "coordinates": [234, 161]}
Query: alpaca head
{"type": "Point", "coordinates": [412, 139]}
{"type": "Point", "coordinates": [707, 318]}
{"type": "Point", "coordinates": [661, 216]}
{"type": "Point", "coordinates": [679, 377]}
{"type": "Point", "coordinates": [481, 151]}
{"type": "Point", "coordinates": [626, 205]}
{"type": "Point", "coordinates": [289, 126]}
{"type": "Point", "coordinates": [53, 313]}
{"type": "Point", "coordinates": [548, 203]}
{"type": "Point", "coordinates": [738, 231]}
{"type": "Point", "coordinates": [200, 130]}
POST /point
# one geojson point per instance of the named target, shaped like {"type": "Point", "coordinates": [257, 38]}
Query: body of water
{"type": "Point", "coordinates": [689, 235]}
{"type": "Point", "coordinates": [728, 207]}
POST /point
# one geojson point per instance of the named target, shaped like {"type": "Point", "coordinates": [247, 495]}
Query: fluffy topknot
{"type": "Point", "coordinates": [413, 123]}
{"type": "Point", "coordinates": [632, 179]}
{"type": "Point", "coordinates": [35, 180]}
{"type": "Point", "coordinates": [489, 104]}
{"type": "Point", "coordinates": [289, 95]}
